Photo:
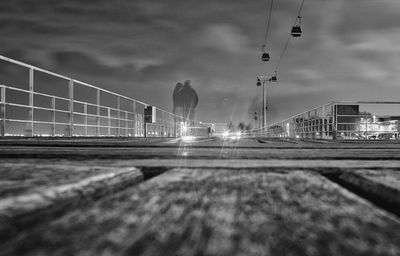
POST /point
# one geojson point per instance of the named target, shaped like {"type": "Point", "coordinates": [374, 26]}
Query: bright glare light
{"type": "Point", "coordinates": [235, 136]}
{"type": "Point", "coordinates": [187, 138]}
{"type": "Point", "coordinates": [225, 134]}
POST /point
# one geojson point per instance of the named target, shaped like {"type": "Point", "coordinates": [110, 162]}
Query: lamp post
{"type": "Point", "coordinates": [262, 80]}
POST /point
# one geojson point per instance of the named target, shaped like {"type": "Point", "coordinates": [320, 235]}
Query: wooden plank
{"type": "Point", "coordinates": [20, 211]}
{"type": "Point", "coordinates": [221, 212]}
{"type": "Point", "coordinates": [317, 165]}
{"type": "Point", "coordinates": [213, 142]}
{"type": "Point", "coordinates": [388, 178]}
{"type": "Point", "coordinates": [380, 186]}
{"type": "Point", "coordinates": [199, 153]}
{"type": "Point", "coordinates": [27, 177]}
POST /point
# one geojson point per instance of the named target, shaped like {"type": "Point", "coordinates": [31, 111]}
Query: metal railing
{"type": "Point", "coordinates": [48, 114]}
{"type": "Point", "coordinates": [359, 120]}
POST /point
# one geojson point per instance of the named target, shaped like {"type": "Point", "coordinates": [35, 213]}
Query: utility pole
{"type": "Point", "coordinates": [262, 80]}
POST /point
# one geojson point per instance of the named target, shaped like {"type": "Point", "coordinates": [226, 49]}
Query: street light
{"type": "Point", "coordinates": [262, 80]}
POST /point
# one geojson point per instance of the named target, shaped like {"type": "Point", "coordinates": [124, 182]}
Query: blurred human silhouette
{"type": "Point", "coordinates": [185, 100]}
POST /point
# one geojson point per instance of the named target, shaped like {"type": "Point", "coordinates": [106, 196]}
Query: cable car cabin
{"type": "Point", "coordinates": [265, 56]}
{"type": "Point", "coordinates": [273, 79]}
{"type": "Point", "coordinates": [258, 82]}
{"type": "Point", "coordinates": [296, 31]}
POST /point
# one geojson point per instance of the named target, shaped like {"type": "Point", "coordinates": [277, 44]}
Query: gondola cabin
{"type": "Point", "coordinates": [296, 31]}
{"type": "Point", "coordinates": [265, 56]}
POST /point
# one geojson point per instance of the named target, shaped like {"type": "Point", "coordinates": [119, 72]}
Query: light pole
{"type": "Point", "coordinates": [262, 80]}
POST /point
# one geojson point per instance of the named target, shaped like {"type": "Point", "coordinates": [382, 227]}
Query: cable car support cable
{"type": "Point", "coordinates": [268, 22]}
{"type": "Point", "coordinates": [265, 54]}
{"type": "Point", "coordinates": [298, 18]}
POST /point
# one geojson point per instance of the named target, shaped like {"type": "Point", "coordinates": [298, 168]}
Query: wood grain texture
{"type": "Point", "coordinates": [26, 177]}
{"type": "Point", "coordinates": [221, 212]}
{"type": "Point", "coordinates": [43, 204]}
{"type": "Point", "coordinates": [381, 186]}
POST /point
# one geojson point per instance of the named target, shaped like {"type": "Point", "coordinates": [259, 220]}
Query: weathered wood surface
{"type": "Point", "coordinates": [382, 186]}
{"type": "Point", "coordinates": [221, 212]}
{"type": "Point", "coordinates": [53, 196]}
{"type": "Point", "coordinates": [203, 153]}
{"type": "Point", "coordinates": [199, 143]}
{"type": "Point", "coordinates": [318, 165]}
{"type": "Point", "coordinates": [387, 178]}
{"type": "Point", "coordinates": [24, 177]}
{"type": "Point", "coordinates": [223, 197]}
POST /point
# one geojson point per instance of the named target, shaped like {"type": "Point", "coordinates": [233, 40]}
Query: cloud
{"type": "Point", "coordinates": [223, 37]}
{"type": "Point", "coordinates": [143, 48]}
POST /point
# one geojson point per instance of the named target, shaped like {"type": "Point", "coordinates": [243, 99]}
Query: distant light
{"type": "Point", "coordinates": [187, 138]}
{"type": "Point", "coordinates": [234, 136]}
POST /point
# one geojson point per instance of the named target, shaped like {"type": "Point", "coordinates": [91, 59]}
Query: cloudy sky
{"type": "Point", "coordinates": [350, 50]}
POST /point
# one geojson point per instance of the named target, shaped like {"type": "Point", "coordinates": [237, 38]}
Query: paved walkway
{"type": "Point", "coordinates": [208, 197]}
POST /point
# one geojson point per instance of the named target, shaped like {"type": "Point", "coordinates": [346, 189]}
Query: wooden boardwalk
{"type": "Point", "coordinates": [208, 197]}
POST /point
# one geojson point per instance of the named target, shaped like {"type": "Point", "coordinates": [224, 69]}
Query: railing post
{"type": "Point", "coordinates": [366, 127]}
{"type": "Point", "coordinates": [71, 107]}
{"type": "Point", "coordinates": [334, 126]}
{"type": "Point", "coordinates": [126, 124]}
{"type": "Point", "coordinates": [119, 115]}
{"type": "Point", "coordinates": [316, 124]}
{"type": "Point", "coordinates": [2, 111]}
{"type": "Point", "coordinates": [86, 118]}
{"type": "Point", "coordinates": [29, 126]}
{"type": "Point", "coordinates": [134, 118]}
{"type": "Point", "coordinates": [109, 122]}
{"type": "Point", "coordinates": [309, 124]}
{"type": "Point", "coordinates": [283, 129]}
{"type": "Point", "coordinates": [98, 113]}
{"type": "Point", "coordinates": [323, 123]}
{"type": "Point", "coordinates": [53, 116]}
{"type": "Point", "coordinates": [162, 124]}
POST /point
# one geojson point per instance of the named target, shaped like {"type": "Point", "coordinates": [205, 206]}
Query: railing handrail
{"type": "Point", "coordinates": [20, 63]}
{"type": "Point", "coordinates": [332, 103]}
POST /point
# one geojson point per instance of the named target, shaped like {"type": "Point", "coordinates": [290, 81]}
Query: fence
{"type": "Point", "coordinates": [359, 120]}
{"type": "Point", "coordinates": [37, 102]}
